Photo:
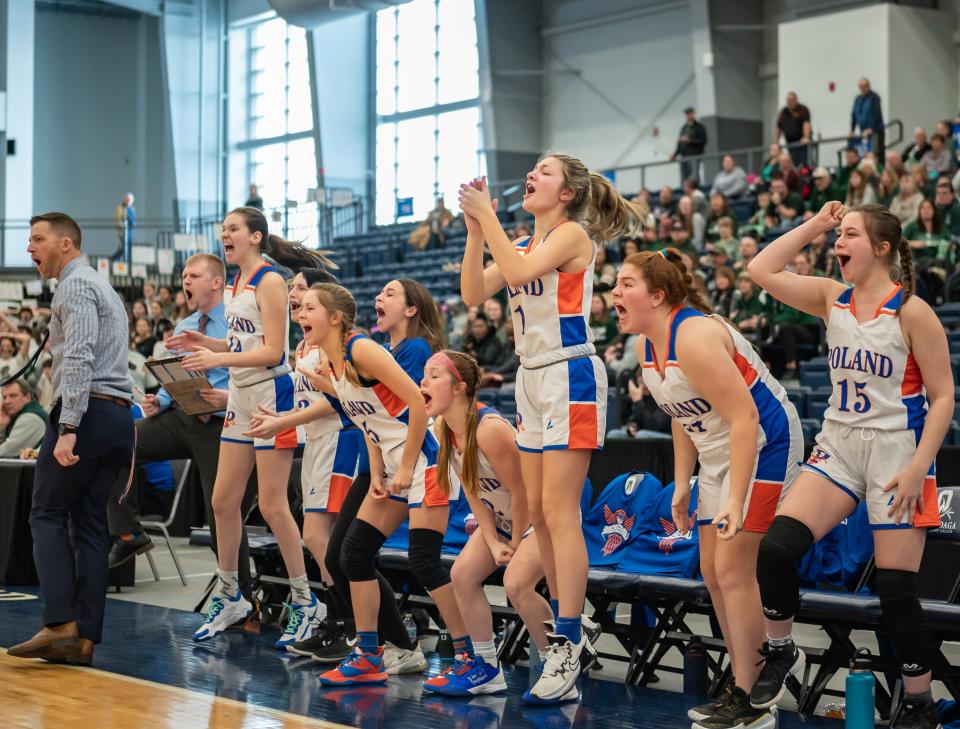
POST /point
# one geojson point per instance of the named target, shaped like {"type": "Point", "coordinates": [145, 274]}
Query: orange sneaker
{"type": "Point", "coordinates": [357, 668]}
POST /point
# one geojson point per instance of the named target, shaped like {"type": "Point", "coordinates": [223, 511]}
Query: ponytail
{"type": "Point", "coordinates": [665, 271]}
{"type": "Point", "coordinates": [470, 463]}
{"type": "Point", "coordinates": [604, 213]}
{"type": "Point", "coordinates": [289, 254]}
{"type": "Point", "coordinates": [908, 276]}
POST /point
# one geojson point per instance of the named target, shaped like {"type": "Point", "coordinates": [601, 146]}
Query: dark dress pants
{"type": "Point", "coordinates": [72, 501]}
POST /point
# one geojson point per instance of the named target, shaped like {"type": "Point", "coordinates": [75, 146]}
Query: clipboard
{"type": "Point", "coordinates": [184, 386]}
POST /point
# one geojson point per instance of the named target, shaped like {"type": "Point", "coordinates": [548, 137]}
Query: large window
{"type": "Point", "coordinates": [271, 125]}
{"type": "Point", "coordinates": [428, 115]}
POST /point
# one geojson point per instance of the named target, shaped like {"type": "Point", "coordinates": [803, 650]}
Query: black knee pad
{"type": "Point", "coordinates": [359, 551]}
{"type": "Point", "coordinates": [899, 601]}
{"type": "Point", "coordinates": [778, 561]}
{"type": "Point", "coordinates": [425, 564]}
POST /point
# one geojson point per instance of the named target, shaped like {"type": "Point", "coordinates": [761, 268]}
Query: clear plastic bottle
{"type": "Point", "coordinates": [835, 710]}
{"type": "Point", "coordinates": [411, 625]}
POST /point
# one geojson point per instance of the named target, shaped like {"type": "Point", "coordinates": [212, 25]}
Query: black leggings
{"type": "Point", "coordinates": [389, 622]}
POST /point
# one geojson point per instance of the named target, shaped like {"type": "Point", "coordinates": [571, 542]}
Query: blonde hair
{"type": "Point", "coordinates": [470, 464]}
{"type": "Point", "coordinates": [213, 263]}
{"type": "Point", "coordinates": [597, 205]}
{"type": "Point", "coordinates": [336, 299]}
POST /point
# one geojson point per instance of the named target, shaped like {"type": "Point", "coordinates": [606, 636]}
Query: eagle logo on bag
{"type": "Point", "coordinates": [674, 535]}
{"type": "Point", "coordinates": [617, 530]}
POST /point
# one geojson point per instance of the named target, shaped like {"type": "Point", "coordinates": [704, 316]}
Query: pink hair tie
{"type": "Point", "coordinates": [443, 360]}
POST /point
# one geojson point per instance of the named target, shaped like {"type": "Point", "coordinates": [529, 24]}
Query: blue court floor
{"type": "Point", "coordinates": [154, 644]}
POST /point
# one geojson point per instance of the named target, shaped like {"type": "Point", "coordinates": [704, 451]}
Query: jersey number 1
{"type": "Point", "coordinates": [862, 404]}
{"type": "Point", "coordinates": [523, 319]}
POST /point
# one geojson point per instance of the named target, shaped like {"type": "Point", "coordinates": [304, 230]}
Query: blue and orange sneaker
{"type": "Point", "coordinates": [357, 668]}
{"type": "Point", "coordinates": [468, 676]}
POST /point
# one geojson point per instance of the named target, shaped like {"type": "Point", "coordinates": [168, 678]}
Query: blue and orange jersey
{"type": "Point", "coordinates": [245, 329]}
{"type": "Point", "coordinates": [875, 379]}
{"type": "Point", "coordinates": [678, 399]}
{"type": "Point", "coordinates": [380, 413]}
{"type": "Point", "coordinates": [551, 314]}
{"type": "Point", "coordinates": [305, 395]}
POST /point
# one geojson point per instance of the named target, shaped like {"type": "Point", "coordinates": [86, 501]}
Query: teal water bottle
{"type": "Point", "coordinates": [861, 689]}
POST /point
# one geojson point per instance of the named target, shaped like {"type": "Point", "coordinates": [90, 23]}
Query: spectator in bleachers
{"type": "Point", "coordinates": [792, 327]}
{"type": "Point", "coordinates": [723, 291]}
{"type": "Point", "coordinates": [143, 339]}
{"type": "Point", "coordinates": [125, 221]}
{"type": "Point", "coordinates": [649, 240]}
{"type": "Point", "coordinates": [851, 160]}
{"type": "Point", "coordinates": [156, 311]}
{"type": "Point", "coordinates": [695, 223]}
{"type": "Point", "coordinates": [789, 173]}
{"type": "Point", "coordinates": [927, 233]}
{"type": "Point", "coordinates": [948, 208]}
{"type": "Point", "coordinates": [917, 148]}
{"type": "Point", "coordinates": [630, 246]}
{"type": "Point", "coordinates": [253, 198]}
{"type": "Point", "coordinates": [725, 239]}
{"type": "Point", "coordinates": [793, 124]}
{"type": "Point", "coordinates": [680, 237]}
{"type": "Point", "coordinates": [522, 231]}
{"type": "Point", "coordinates": [45, 393]}
{"type": "Point", "coordinates": [943, 129]}
{"type": "Point", "coordinates": [482, 342]}
{"type": "Point", "coordinates": [164, 331]}
{"type": "Point", "coordinates": [906, 203]}
{"type": "Point", "coordinates": [772, 163]}
{"type": "Point", "coordinates": [10, 356]}
{"type": "Point", "coordinates": [666, 204]}
{"type": "Point", "coordinates": [888, 186]}
{"type": "Point", "coordinates": [180, 308]}
{"type": "Point", "coordinates": [749, 247]}
{"type": "Point", "coordinates": [859, 190]}
{"type": "Point", "coordinates": [867, 114]}
{"type": "Point", "coordinates": [938, 158]}
{"type": "Point", "coordinates": [504, 375]}
{"type": "Point", "coordinates": [719, 210]}
{"type": "Point", "coordinates": [785, 209]}
{"type": "Point", "coordinates": [496, 315]}
{"type": "Point", "coordinates": [603, 326]}
{"type": "Point", "coordinates": [923, 182]}
{"type": "Point", "coordinates": [691, 188]}
{"type": "Point", "coordinates": [642, 417]}
{"type": "Point", "coordinates": [752, 309]}
{"type": "Point", "coordinates": [690, 143]}
{"type": "Point", "coordinates": [757, 224]}
{"type": "Point", "coordinates": [823, 191]}
{"type": "Point", "coordinates": [165, 297]}
{"type": "Point", "coordinates": [604, 272]}
{"type": "Point", "coordinates": [894, 161]}
{"type": "Point", "coordinates": [731, 180]}
{"type": "Point", "coordinates": [715, 259]}
{"type": "Point", "coordinates": [22, 420]}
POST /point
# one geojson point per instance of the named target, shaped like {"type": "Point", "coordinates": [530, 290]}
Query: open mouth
{"type": "Point", "coordinates": [843, 259]}
{"type": "Point", "coordinates": [426, 397]}
{"type": "Point", "coordinates": [306, 329]}
{"type": "Point", "coordinates": [380, 312]}
{"type": "Point", "coordinates": [294, 308]}
{"type": "Point", "coordinates": [37, 261]}
{"type": "Point", "coordinates": [228, 247]}
{"type": "Point", "coordinates": [189, 294]}
{"type": "Point", "coordinates": [529, 189]}
{"type": "Point", "coordinates": [621, 310]}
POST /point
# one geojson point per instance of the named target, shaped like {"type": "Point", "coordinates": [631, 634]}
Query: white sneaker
{"type": "Point", "coordinates": [223, 613]}
{"type": "Point", "coordinates": [302, 622]}
{"type": "Point", "coordinates": [591, 631]}
{"type": "Point", "coordinates": [560, 671]}
{"type": "Point", "coordinates": [399, 660]}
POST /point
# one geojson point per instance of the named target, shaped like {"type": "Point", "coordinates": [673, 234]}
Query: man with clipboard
{"type": "Point", "coordinates": [167, 432]}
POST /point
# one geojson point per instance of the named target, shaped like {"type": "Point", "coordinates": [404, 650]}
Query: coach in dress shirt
{"type": "Point", "coordinates": [166, 432]}
{"type": "Point", "coordinates": [86, 449]}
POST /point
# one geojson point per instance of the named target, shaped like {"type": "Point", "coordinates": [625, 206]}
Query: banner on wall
{"type": "Point", "coordinates": [404, 207]}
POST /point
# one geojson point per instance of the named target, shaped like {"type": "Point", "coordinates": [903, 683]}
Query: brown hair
{"type": "Point", "coordinates": [62, 224]}
{"type": "Point", "coordinates": [604, 213]}
{"type": "Point", "coordinates": [427, 323]}
{"type": "Point", "coordinates": [470, 465]}
{"type": "Point", "coordinates": [664, 271]}
{"type": "Point", "coordinates": [336, 299]}
{"type": "Point", "coordinates": [882, 226]}
{"type": "Point", "coordinates": [213, 263]}
{"type": "Point", "coordinates": [290, 254]}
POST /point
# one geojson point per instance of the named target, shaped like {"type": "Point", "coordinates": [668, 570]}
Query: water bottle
{"type": "Point", "coordinates": [411, 625]}
{"type": "Point", "coordinates": [696, 681]}
{"type": "Point", "coordinates": [861, 687]}
{"type": "Point", "coordinates": [445, 645]}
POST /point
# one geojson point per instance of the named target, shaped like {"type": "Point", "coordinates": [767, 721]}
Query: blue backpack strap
{"type": "Point", "coordinates": [255, 279]}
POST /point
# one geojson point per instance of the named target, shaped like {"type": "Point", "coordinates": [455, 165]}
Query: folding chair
{"type": "Point", "coordinates": [181, 471]}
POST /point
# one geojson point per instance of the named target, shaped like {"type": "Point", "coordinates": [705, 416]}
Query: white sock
{"type": "Point", "coordinates": [229, 583]}
{"type": "Point", "coordinates": [300, 589]}
{"type": "Point", "coordinates": [779, 642]}
{"type": "Point", "coordinates": [487, 651]}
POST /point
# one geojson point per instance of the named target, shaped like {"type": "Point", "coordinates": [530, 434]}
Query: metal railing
{"type": "Point", "coordinates": [632, 178]}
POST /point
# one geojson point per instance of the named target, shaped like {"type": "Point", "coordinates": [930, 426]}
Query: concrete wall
{"type": "Point", "coordinates": [101, 122]}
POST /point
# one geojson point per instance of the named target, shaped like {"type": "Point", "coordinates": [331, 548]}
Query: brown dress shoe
{"type": "Point", "coordinates": [50, 644]}
{"type": "Point", "coordinates": [82, 653]}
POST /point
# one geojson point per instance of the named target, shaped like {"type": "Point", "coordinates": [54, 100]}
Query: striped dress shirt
{"type": "Point", "coordinates": [88, 341]}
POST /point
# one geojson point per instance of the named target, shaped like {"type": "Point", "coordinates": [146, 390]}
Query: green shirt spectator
{"type": "Point", "coordinates": [823, 191]}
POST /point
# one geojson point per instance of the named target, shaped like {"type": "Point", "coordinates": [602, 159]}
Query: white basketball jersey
{"type": "Point", "coordinates": [876, 381]}
{"type": "Point", "coordinates": [551, 314]}
{"type": "Point", "coordinates": [245, 325]}
{"type": "Point", "coordinates": [677, 398]}
{"type": "Point", "coordinates": [305, 394]}
{"type": "Point", "coordinates": [380, 413]}
{"type": "Point", "coordinates": [492, 493]}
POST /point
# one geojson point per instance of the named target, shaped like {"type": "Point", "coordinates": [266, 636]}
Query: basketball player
{"type": "Point", "coordinates": [562, 384]}
{"type": "Point", "coordinates": [256, 354]}
{"type": "Point", "coordinates": [890, 408]}
{"type": "Point", "coordinates": [730, 414]}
